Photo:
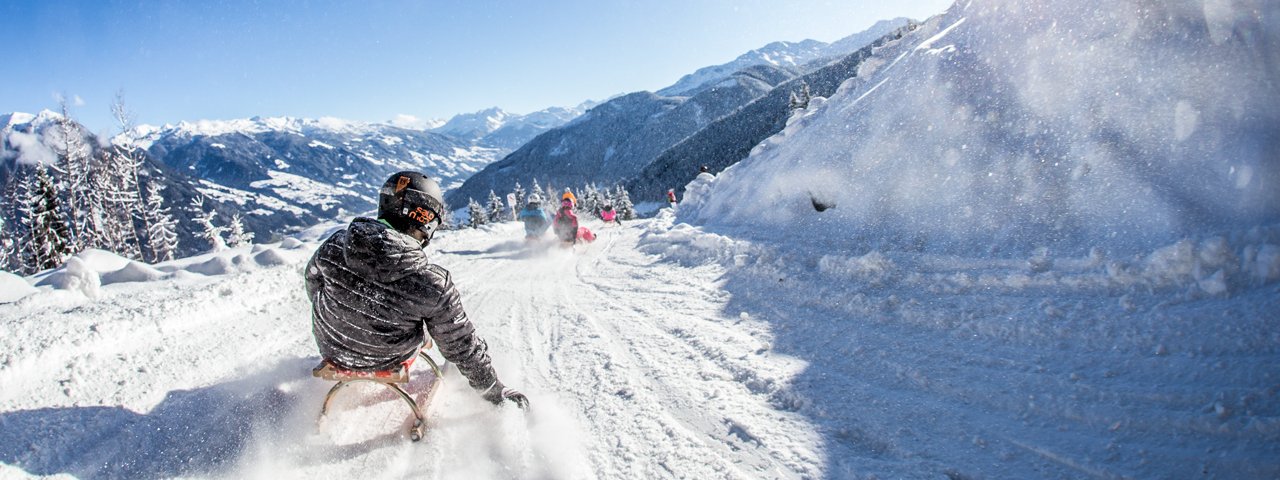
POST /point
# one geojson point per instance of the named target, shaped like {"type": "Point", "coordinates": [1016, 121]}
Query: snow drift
{"type": "Point", "coordinates": [1009, 126]}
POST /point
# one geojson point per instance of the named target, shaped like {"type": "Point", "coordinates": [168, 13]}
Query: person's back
{"type": "Point", "coordinates": [535, 219]}
{"type": "Point", "coordinates": [373, 290]}
{"type": "Point", "coordinates": [608, 214]}
{"type": "Point", "coordinates": [566, 223]}
{"type": "Point", "coordinates": [370, 261]}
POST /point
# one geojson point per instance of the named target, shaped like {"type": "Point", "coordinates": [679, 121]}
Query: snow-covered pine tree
{"type": "Point", "coordinates": [236, 235]}
{"type": "Point", "coordinates": [496, 210]}
{"type": "Point", "coordinates": [162, 229]}
{"type": "Point", "coordinates": [536, 190]}
{"type": "Point", "coordinates": [594, 201]}
{"type": "Point", "coordinates": [584, 199]}
{"type": "Point", "coordinates": [477, 214]}
{"type": "Point", "coordinates": [48, 231]}
{"type": "Point", "coordinates": [208, 230]}
{"type": "Point", "coordinates": [6, 247]}
{"type": "Point", "coordinates": [72, 179]}
{"type": "Point", "coordinates": [520, 196]}
{"type": "Point", "coordinates": [114, 179]}
{"type": "Point", "coordinates": [12, 233]}
{"type": "Point", "coordinates": [622, 203]}
{"type": "Point", "coordinates": [553, 195]}
{"type": "Point", "coordinates": [535, 193]}
{"type": "Point", "coordinates": [125, 198]}
{"type": "Point", "coordinates": [800, 98]}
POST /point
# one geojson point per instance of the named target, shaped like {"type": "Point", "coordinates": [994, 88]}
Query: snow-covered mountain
{"type": "Point", "coordinates": [520, 129]}
{"type": "Point", "coordinates": [279, 173]}
{"type": "Point", "coordinates": [31, 138]}
{"type": "Point", "coordinates": [28, 138]}
{"type": "Point", "coordinates": [1011, 127]}
{"type": "Point", "coordinates": [473, 126]}
{"type": "Point", "coordinates": [614, 140]}
{"type": "Point", "coordinates": [249, 154]}
{"type": "Point", "coordinates": [497, 128]}
{"type": "Point", "coordinates": [309, 169]}
{"type": "Point", "coordinates": [782, 54]}
{"type": "Point", "coordinates": [730, 138]}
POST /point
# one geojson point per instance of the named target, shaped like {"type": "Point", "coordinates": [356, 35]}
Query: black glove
{"type": "Point", "coordinates": [498, 393]}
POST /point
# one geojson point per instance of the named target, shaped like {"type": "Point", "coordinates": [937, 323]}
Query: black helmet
{"type": "Point", "coordinates": [411, 201]}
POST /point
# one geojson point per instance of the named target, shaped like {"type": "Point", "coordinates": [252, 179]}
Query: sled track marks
{"type": "Point", "coordinates": [657, 380]}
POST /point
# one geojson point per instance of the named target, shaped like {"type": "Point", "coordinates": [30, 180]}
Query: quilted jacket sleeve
{"type": "Point", "coordinates": [448, 325]}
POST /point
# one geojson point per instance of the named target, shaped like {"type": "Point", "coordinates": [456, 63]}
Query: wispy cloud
{"type": "Point", "coordinates": [404, 120]}
{"type": "Point", "coordinates": [74, 101]}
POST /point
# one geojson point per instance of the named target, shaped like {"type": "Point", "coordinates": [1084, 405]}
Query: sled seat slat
{"type": "Point", "coordinates": [328, 371]}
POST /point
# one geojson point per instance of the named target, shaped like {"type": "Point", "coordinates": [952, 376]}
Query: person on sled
{"type": "Point", "coordinates": [566, 226]}
{"type": "Point", "coordinates": [373, 291]}
{"type": "Point", "coordinates": [535, 220]}
{"type": "Point", "coordinates": [609, 215]}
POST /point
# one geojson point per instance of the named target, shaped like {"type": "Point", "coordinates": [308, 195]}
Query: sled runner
{"type": "Point", "coordinates": [393, 379]}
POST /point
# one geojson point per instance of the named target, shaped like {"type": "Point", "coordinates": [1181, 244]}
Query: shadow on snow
{"type": "Point", "coordinates": [190, 432]}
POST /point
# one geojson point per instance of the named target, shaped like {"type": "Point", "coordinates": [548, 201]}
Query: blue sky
{"type": "Point", "coordinates": [375, 60]}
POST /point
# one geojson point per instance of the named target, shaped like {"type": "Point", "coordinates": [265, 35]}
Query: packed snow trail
{"type": "Point", "coordinates": [628, 373]}
{"type": "Point", "coordinates": [618, 338]}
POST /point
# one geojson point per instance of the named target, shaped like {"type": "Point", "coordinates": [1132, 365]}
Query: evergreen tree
{"type": "Point", "coordinates": [73, 182]}
{"type": "Point", "coordinates": [17, 210]}
{"type": "Point", "coordinates": [800, 99]}
{"type": "Point", "coordinates": [553, 195]}
{"type": "Point", "coordinates": [12, 221]}
{"type": "Point", "coordinates": [237, 236]}
{"type": "Point", "coordinates": [496, 210]}
{"type": "Point", "coordinates": [536, 192]}
{"type": "Point", "coordinates": [114, 179]}
{"type": "Point", "coordinates": [584, 204]}
{"type": "Point", "coordinates": [48, 232]}
{"type": "Point", "coordinates": [520, 196]}
{"type": "Point", "coordinates": [593, 201]}
{"type": "Point", "coordinates": [124, 199]}
{"type": "Point", "coordinates": [622, 204]}
{"type": "Point", "coordinates": [208, 230]}
{"type": "Point", "coordinates": [476, 212]}
{"type": "Point", "coordinates": [6, 247]}
{"type": "Point", "coordinates": [162, 233]}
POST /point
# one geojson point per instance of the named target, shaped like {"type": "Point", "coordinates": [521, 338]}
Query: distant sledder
{"type": "Point", "coordinates": [566, 226]}
{"type": "Point", "coordinates": [609, 215]}
{"type": "Point", "coordinates": [535, 220]}
{"type": "Point", "coordinates": [373, 292]}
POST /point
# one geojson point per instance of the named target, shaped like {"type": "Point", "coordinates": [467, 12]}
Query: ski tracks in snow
{"type": "Point", "coordinates": [655, 384]}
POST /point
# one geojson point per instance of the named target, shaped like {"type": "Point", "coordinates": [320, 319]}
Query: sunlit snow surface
{"type": "Point", "coordinates": [660, 351]}
{"type": "Point", "coordinates": [1003, 127]}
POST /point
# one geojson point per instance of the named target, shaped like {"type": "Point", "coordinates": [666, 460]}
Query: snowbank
{"type": "Point", "coordinates": [1004, 127]}
{"type": "Point", "coordinates": [13, 287]}
{"type": "Point", "coordinates": [87, 272]}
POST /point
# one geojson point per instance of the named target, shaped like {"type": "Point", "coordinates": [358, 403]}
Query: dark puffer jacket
{"type": "Point", "coordinates": [372, 290]}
